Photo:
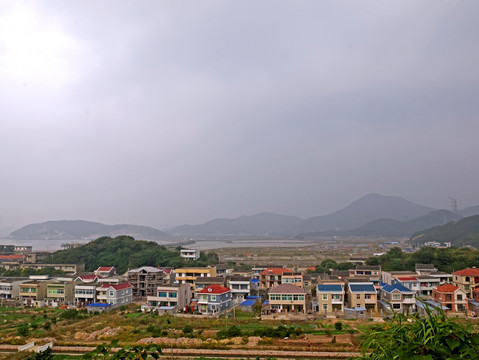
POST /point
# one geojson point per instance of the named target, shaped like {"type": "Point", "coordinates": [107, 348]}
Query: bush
{"type": "Point", "coordinates": [47, 325]}
{"type": "Point", "coordinates": [231, 332]}
{"type": "Point", "coordinates": [23, 330]}
{"type": "Point", "coordinates": [433, 337]}
{"type": "Point", "coordinates": [69, 314]}
{"type": "Point", "coordinates": [338, 326]}
{"type": "Point", "coordinates": [187, 329]}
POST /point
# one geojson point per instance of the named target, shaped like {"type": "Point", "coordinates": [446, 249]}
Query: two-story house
{"type": "Point", "coordinates": [293, 278]}
{"type": "Point", "coordinates": [85, 294]}
{"type": "Point", "coordinates": [190, 254]}
{"type": "Point", "coordinates": [272, 277]}
{"type": "Point", "coordinates": [240, 287]}
{"type": "Point", "coordinates": [287, 298]}
{"type": "Point", "coordinates": [397, 298]}
{"type": "Point", "coordinates": [330, 298]}
{"type": "Point", "coordinates": [426, 284]}
{"type": "Point", "coordinates": [452, 297]}
{"type": "Point", "coordinates": [189, 275]}
{"type": "Point", "coordinates": [362, 295]}
{"type": "Point", "coordinates": [177, 296]}
{"type": "Point", "coordinates": [10, 288]}
{"type": "Point", "coordinates": [32, 291]}
{"type": "Point", "coordinates": [115, 294]}
{"type": "Point", "coordinates": [60, 293]}
{"type": "Point", "coordinates": [214, 299]}
{"type": "Point", "coordinates": [467, 280]}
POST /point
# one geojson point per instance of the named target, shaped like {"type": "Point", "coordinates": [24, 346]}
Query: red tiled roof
{"type": "Point", "coordinates": [11, 257]}
{"type": "Point", "coordinates": [275, 271]}
{"type": "Point", "coordinates": [90, 277]}
{"type": "Point", "coordinates": [447, 288]}
{"type": "Point", "coordinates": [406, 278]}
{"type": "Point", "coordinates": [467, 272]}
{"type": "Point", "coordinates": [214, 289]}
{"type": "Point", "coordinates": [117, 286]}
{"type": "Point", "coordinates": [105, 268]}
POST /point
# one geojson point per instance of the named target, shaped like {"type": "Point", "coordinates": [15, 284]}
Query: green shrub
{"type": "Point", "coordinates": [338, 326]}
{"type": "Point", "coordinates": [23, 330]}
{"type": "Point", "coordinates": [434, 337]}
{"type": "Point", "coordinates": [187, 329]}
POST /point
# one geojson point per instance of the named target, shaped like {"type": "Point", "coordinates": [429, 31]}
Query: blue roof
{"type": "Point", "coordinates": [335, 288]}
{"type": "Point", "coordinates": [401, 288]}
{"type": "Point", "coordinates": [362, 288]}
{"type": "Point", "coordinates": [430, 303]}
{"type": "Point", "coordinates": [255, 281]}
{"type": "Point", "coordinates": [356, 309]}
{"type": "Point", "coordinates": [472, 302]}
{"type": "Point", "coordinates": [166, 308]}
{"type": "Point", "coordinates": [248, 303]}
{"type": "Point", "coordinates": [266, 302]}
{"type": "Point", "coordinates": [253, 297]}
{"type": "Point", "coordinates": [98, 305]}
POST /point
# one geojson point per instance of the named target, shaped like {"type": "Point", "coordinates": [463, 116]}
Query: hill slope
{"type": "Point", "coordinates": [470, 211]}
{"type": "Point", "coordinates": [124, 252]}
{"type": "Point", "coordinates": [74, 229]}
{"type": "Point", "coordinates": [460, 233]}
{"type": "Point", "coordinates": [395, 228]}
{"type": "Point", "coordinates": [259, 224]}
{"type": "Point", "coordinates": [368, 208]}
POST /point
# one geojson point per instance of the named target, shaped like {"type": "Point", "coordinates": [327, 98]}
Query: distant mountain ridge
{"type": "Point", "coordinates": [459, 233]}
{"type": "Point", "coordinates": [395, 228]}
{"type": "Point", "coordinates": [259, 224]}
{"type": "Point", "coordinates": [75, 229]}
{"type": "Point", "coordinates": [368, 208]}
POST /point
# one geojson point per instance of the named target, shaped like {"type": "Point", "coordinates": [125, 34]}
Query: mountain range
{"type": "Point", "coordinates": [371, 215]}
{"type": "Point", "coordinates": [75, 229]}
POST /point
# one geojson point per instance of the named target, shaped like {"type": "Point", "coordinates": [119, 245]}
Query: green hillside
{"type": "Point", "coordinates": [124, 252]}
{"type": "Point", "coordinates": [460, 233]}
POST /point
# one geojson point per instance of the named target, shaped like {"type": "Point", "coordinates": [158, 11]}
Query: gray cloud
{"type": "Point", "coordinates": [161, 113]}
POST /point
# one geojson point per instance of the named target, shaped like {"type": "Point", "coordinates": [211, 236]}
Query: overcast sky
{"type": "Point", "coordinates": [168, 112]}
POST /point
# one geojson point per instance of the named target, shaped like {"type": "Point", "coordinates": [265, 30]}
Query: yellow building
{"type": "Point", "coordinates": [32, 291]}
{"type": "Point", "coordinates": [60, 293]}
{"type": "Point", "coordinates": [189, 275]}
{"type": "Point", "coordinates": [362, 295]}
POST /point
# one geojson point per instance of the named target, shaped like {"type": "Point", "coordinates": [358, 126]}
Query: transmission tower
{"type": "Point", "coordinates": [453, 203]}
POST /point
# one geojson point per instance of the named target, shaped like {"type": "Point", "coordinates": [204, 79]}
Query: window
{"type": "Point", "coordinates": [396, 306]}
{"type": "Point", "coordinates": [213, 297]}
{"type": "Point", "coordinates": [358, 296]}
{"type": "Point", "coordinates": [172, 294]}
{"type": "Point", "coordinates": [110, 293]}
{"type": "Point", "coordinates": [367, 296]}
{"type": "Point", "coordinates": [275, 297]}
{"type": "Point", "coordinates": [459, 296]}
{"type": "Point", "coordinates": [325, 296]}
{"type": "Point", "coordinates": [396, 296]}
{"type": "Point", "coordinates": [162, 294]}
{"type": "Point", "coordinates": [325, 306]}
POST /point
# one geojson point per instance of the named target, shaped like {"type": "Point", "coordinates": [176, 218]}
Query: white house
{"type": "Point", "coordinates": [190, 254]}
{"type": "Point", "coordinates": [115, 294]}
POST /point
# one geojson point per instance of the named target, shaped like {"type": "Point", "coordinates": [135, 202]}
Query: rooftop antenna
{"type": "Point", "coordinates": [453, 203]}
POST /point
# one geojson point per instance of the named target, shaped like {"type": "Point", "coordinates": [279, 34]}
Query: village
{"type": "Point", "coordinates": [274, 291]}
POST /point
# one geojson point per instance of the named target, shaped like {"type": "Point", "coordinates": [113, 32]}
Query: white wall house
{"type": "Point", "coordinates": [190, 254]}
{"type": "Point", "coordinates": [114, 294]}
